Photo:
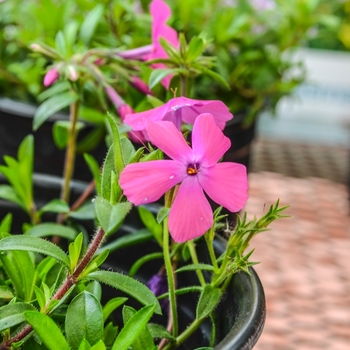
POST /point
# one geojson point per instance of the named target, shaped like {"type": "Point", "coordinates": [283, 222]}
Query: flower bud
{"type": "Point", "coordinates": [73, 76]}
{"type": "Point", "coordinates": [51, 76]}
{"type": "Point", "coordinates": [140, 85]}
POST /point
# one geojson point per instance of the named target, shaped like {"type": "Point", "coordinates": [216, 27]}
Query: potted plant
{"type": "Point", "coordinates": [181, 273]}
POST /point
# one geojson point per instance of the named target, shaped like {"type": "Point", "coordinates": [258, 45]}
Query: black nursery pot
{"type": "Point", "coordinates": [16, 122]}
{"type": "Point", "coordinates": [241, 137]}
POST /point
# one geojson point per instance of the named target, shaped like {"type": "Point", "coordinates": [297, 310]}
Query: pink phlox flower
{"type": "Point", "coordinates": [181, 110]}
{"type": "Point", "coordinates": [51, 76]}
{"type": "Point", "coordinates": [160, 13]}
{"type": "Point", "coordinates": [197, 171]}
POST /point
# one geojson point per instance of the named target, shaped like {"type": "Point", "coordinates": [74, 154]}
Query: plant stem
{"type": "Point", "coordinates": [211, 251]}
{"type": "Point", "coordinates": [68, 283]}
{"type": "Point", "coordinates": [170, 275]}
{"type": "Point", "coordinates": [70, 152]}
{"type": "Point", "coordinates": [194, 257]}
{"type": "Point", "coordinates": [183, 85]}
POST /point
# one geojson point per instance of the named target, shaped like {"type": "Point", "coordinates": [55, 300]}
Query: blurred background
{"type": "Point", "coordinates": [288, 67]}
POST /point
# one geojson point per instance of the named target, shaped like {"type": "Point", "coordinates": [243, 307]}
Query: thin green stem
{"type": "Point", "coordinates": [185, 334]}
{"type": "Point", "coordinates": [194, 257]}
{"type": "Point", "coordinates": [209, 242]}
{"type": "Point", "coordinates": [183, 85]}
{"type": "Point", "coordinates": [70, 152]}
{"type": "Point", "coordinates": [170, 276]}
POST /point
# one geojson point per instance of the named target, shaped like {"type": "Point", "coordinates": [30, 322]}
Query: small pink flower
{"type": "Point", "coordinates": [178, 110]}
{"type": "Point", "coordinates": [51, 76]}
{"type": "Point", "coordinates": [160, 13]}
{"type": "Point", "coordinates": [196, 169]}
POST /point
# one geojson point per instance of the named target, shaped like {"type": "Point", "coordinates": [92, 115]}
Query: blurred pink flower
{"type": "Point", "coordinates": [178, 110]}
{"type": "Point", "coordinates": [196, 169]}
{"type": "Point", "coordinates": [160, 13]}
{"type": "Point", "coordinates": [140, 85]}
{"type": "Point", "coordinates": [51, 76]}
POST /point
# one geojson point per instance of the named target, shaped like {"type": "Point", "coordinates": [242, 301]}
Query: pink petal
{"type": "Point", "coordinates": [208, 141]}
{"type": "Point", "coordinates": [146, 182]}
{"type": "Point", "coordinates": [160, 12]}
{"type": "Point", "coordinates": [217, 109]}
{"type": "Point", "coordinates": [170, 140]}
{"type": "Point", "coordinates": [190, 215]}
{"type": "Point", "coordinates": [226, 184]}
{"type": "Point", "coordinates": [138, 120]}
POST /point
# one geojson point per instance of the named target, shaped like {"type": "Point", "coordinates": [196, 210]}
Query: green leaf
{"type": "Point", "coordinates": [111, 305]}
{"type": "Point", "coordinates": [9, 194]}
{"type": "Point", "coordinates": [158, 75]}
{"type": "Point", "coordinates": [111, 216]}
{"type": "Point", "coordinates": [61, 46]}
{"type": "Point", "coordinates": [51, 229]}
{"type": "Point", "coordinates": [85, 212]}
{"type": "Point", "coordinates": [95, 170]}
{"type": "Point", "coordinates": [84, 320]}
{"type": "Point", "coordinates": [107, 169]}
{"type": "Point", "coordinates": [75, 251]}
{"type": "Point", "coordinates": [162, 214]}
{"type": "Point", "coordinates": [133, 328]}
{"type": "Point", "coordinates": [47, 330]}
{"type": "Point", "coordinates": [193, 267]}
{"type": "Point", "coordinates": [53, 105]}
{"type": "Point", "coordinates": [12, 314]}
{"type": "Point", "coordinates": [195, 48]}
{"type": "Point", "coordinates": [60, 133]}
{"type": "Point", "coordinates": [141, 261]}
{"type": "Point", "coordinates": [151, 223]}
{"type": "Point", "coordinates": [84, 345]}
{"type": "Point", "coordinates": [5, 292]}
{"type": "Point", "coordinates": [144, 340]}
{"type": "Point", "coordinates": [159, 332]}
{"type": "Point", "coordinates": [6, 223]}
{"type": "Point", "coordinates": [135, 238]}
{"type": "Point", "coordinates": [89, 25]}
{"type": "Point", "coordinates": [53, 90]}
{"type": "Point", "coordinates": [209, 299]}
{"type": "Point", "coordinates": [34, 244]}
{"type": "Point", "coordinates": [127, 285]}
{"type": "Point", "coordinates": [99, 346]}
{"type": "Point", "coordinates": [213, 75]}
{"type": "Point", "coordinates": [55, 206]}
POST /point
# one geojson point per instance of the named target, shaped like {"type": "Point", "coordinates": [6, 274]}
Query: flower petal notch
{"type": "Point", "coordinates": [197, 172]}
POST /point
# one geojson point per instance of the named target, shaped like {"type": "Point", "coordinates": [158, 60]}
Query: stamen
{"type": "Point", "coordinates": [192, 169]}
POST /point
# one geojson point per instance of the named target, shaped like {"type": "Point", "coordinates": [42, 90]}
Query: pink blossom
{"type": "Point", "coordinates": [51, 76]}
{"type": "Point", "coordinates": [196, 169]}
{"type": "Point", "coordinates": [160, 13]}
{"type": "Point", "coordinates": [178, 110]}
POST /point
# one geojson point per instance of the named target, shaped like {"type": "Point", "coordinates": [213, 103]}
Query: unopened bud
{"type": "Point", "coordinates": [140, 85]}
{"type": "Point", "coordinates": [51, 76]}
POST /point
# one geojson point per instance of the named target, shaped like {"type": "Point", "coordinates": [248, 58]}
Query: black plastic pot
{"type": "Point", "coordinates": [16, 122]}
{"type": "Point", "coordinates": [241, 137]}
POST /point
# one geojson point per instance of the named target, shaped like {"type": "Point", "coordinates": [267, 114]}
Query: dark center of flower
{"type": "Point", "coordinates": [192, 169]}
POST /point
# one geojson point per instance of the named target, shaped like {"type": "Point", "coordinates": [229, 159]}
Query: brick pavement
{"type": "Point", "coordinates": [304, 261]}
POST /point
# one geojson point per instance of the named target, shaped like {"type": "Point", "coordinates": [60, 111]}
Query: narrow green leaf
{"type": "Point", "coordinates": [55, 206]}
{"type": "Point", "coordinates": [127, 285]}
{"type": "Point", "coordinates": [12, 314]}
{"type": "Point", "coordinates": [195, 48]}
{"type": "Point", "coordinates": [111, 305]}
{"type": "Point", "coordinates": [85, 212]}
{"type": "Point", "coordinates": [60, 133]}
{"type": "Point", "coordinates": [145, 258]}
{"type": "Point", "coordinates": [34, 244]}
{"type": "Point", "coordinates": [209, 299]}
{"type": "Point", "coordinates": [51, 106]}
{"type": "Point", "coordinates": [41, 323]}
{"type": "Point", "coordinates": [46, 229]}
{"type": "Point", "coordinates": [84, 320]}
{"type": "Point", "coordinates": [111, 216]}
{"type": "Point", "coordinates": [61, 46]}
{"type": "Point", "coordinates": [157, 75]}
{"type": "Point", "coordinates": [117, 147]}
{"type": "Point", "coordinates": [75, 250]}
{"type": "Point", "coordinates": [159, 332]}
{"type": "Point", "coordinates": [53, 90]}
{"type": "Point", "coordinates": [162, 214]}
{"type": "Point", "coordinates": [89, 25]}
{"type": "Point", "coordinates": [40, 297]}
{"type": "Point", "coordinates": [133, 328]}
{"type": "Point", "coordinates": [144, 340]}
{"type": "Point", "coordinates": [95, 170]}
{"type": "Point", "coordinates": [84, 345]}
{"type": "Point", "coordinates": [6, 223]}
{"type": "Point", "coordinates": [213, 75]}
{"type": "Point", "coordinates": [107, 169]}
{"type": "Point", "coordinates": [193, 267]}
{"type": "Point", "coordinates": [9, 194]}
{"type": "Point", "coordinates": [99, 346]}
{"type": "Point", "coordinates": [151, 223]}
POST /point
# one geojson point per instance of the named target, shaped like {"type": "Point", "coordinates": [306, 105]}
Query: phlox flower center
{"type": "Point", "coordinates": [193, 169]}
